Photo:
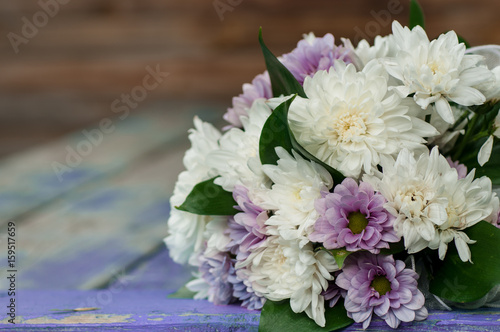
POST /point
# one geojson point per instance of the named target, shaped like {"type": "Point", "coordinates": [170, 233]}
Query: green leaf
{"type": "Point", "coordinates": [282, 81]}
{"type": "Point", "coordinates": [275, 133]}
{"type": "Point", "coordinates": [416, 15]}
{"type": "Point", "coordinates": [182, 293]}
{"type": "Point", "coordinates": [278, 316]}
{"type": "Point", "coordinates": [340, 255]}
{"type": "Point", "coordinates": [464, 282]}
{"type": "Point", "coordinates": [209, 199]}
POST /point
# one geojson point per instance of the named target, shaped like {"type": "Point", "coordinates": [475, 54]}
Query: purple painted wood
{"type": "Point", "coordinates": [158, 271]}
{"type": "Point", "coordinates": [147, 310]}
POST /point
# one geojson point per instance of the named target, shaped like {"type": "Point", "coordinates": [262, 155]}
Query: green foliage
{"type": "Point", "coordinates": [477, 131]}
{"type": "Point", "coordinates": [209, 199]}
{"type": "Point", "coordinates": [340, 255]}
{"type": "Point", "coordinates": [278, 316]}
{"type": "Point", "coordinates": [275, 133]}
{"type": "Point", "coordinates": [464, 282]}
{"type": "Point", "coordinates": [282, 81]}
{"type": "Point", "coordinates": [416, 15]}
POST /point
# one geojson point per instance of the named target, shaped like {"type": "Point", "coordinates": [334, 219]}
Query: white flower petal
{"type": "Point", "coordinates": [485, 152]}
{"type": "Point", "coordinates": [444, 110]}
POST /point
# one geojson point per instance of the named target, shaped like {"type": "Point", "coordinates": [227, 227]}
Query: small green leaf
{"type": "Point", "coordinates": [209, 199]}
{"type": "Point", "coordinates": [182, 293]}
{"type": "Point", "coordinates": [464, 282]}
{"type": "Point", "coordinates": [416, 15]}
{"type": "Point", "coordinates": [282, 81]}
{"type": "Point", "coordinates": [275, 133]}
{"type": "Point", "coordinates": [278, 316]}
{"type": "Point", "coordinates": [340, 255]}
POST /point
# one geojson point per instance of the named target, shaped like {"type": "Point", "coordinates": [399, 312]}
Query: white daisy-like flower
{"type": "Point", "coordinates": [350, 121]}
{"type": "Point", "coordinates": [186, 230]}
{"type": "Point", "coordinates": [237, 158]}
{"type": "Point", "coordinates": [285, 270]}
{"type": "Point", "coordinates": [297, 184]}
{"type": "Point", "coordinates": [382, 47]}
{"type": "Point", "coordinates": [432, 206]}
{"type": "Point", "coordinates": [436, 71]}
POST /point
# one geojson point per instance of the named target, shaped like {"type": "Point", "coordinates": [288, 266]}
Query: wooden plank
{"type": "Point", "coordinates": [146, 310]}
{"type": "Point", "coordinates": [36, 177]}
{"type": "Point", "coordinates": [97, 231]}
{"type": "Point", "coordinates": [157, 271]}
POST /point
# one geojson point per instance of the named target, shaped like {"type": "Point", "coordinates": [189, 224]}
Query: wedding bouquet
{"type": "Point", "coordinates": [350, 182]}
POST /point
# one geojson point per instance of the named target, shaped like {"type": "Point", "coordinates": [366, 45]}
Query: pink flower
{"type": "Point", "coordinates": [313, 54]}
{"type": "Point", "coordinates": [247, 228]}
{"type": "Point", "coordinates": [377, 284]}
{"type": "Point", "coordinates": [353, 217]}
{"type": "Point", "coordinates": [260, 88]}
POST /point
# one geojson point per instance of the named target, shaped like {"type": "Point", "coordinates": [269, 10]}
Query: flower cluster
{"type": "Point", "coordinates": [373, 155]}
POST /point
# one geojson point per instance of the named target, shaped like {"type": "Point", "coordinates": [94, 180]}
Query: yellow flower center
{"type": "Point", "coordinates": [381, 285]}
{"type": "Point", "coordinates": [350, 126]}
{"type": "Point", "coordinates": [357, 222]}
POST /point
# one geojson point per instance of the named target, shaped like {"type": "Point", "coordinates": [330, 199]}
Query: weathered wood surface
{"type": "Point", "coordinates": [33, 178]}
{"type": "Point", "coordinates": [106, 215]}
{"type": "Point", "coordinates": [151, 310]}
{"type": "Point", "coordinates": [92, 51]}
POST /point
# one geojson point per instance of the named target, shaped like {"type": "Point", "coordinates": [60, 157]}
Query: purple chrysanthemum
{"type": "Point", "coordinates": [243, 291]}
{"type": "Point", "coordinates": [379, 284]}
{"type": "Point", "coordinates": [313, 54]}
{"type": "Point", "coordinates": [353, 217]}
{"type": "Point", "coordinates": [461, 168]}
{"type": "Point", "coordinates": [216, 271]}
{"type": "Point", "coordinates": [246, 229]}
{"type": "Point", "coordinates": [260, 88]}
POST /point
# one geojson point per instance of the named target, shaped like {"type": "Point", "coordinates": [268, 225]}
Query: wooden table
{"type": "Point", "coordinates": [91, 236]}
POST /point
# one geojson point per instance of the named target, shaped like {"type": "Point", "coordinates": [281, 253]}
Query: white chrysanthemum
{"type": "Point", "coordinates": [185, 239]}
{"type": "Point", "coordinates": [284, 270]}
{"type": "Point", "coordinates": [350, 121]}
{"type": "Point", "coordinates": [436, 71]}
{"type": "Point", "coordinates": [491, 54]}
{"type": "Point", "coordinates": [297, 184]}
{"type": "Point", "coordinates": [431, 204]}
{"type": "Point", "coordinates": [237, 159]}
{"type": "Point", "coordinates": [382, 47]}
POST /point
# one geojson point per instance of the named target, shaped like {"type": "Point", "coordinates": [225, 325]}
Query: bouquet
{"type": "Point", "coordinates": [350, 182]}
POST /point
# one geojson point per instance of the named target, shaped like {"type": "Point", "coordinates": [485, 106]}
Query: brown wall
{"type": "Point", "coordinates": [70, 71]}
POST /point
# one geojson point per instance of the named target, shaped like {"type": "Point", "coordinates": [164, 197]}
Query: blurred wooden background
{"type": "Point", "coordinates": [90, 52]}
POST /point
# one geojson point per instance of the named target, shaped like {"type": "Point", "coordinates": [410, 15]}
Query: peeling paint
{"type": "Point", "coordinates": [159, 319]}
{"type": "Point", "coordinates": [75, 319]}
